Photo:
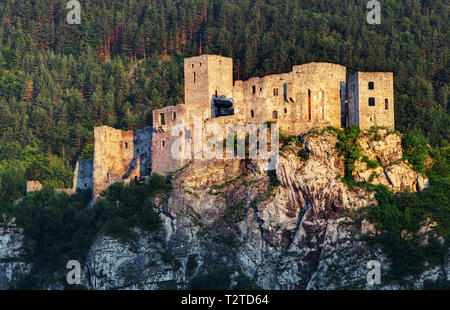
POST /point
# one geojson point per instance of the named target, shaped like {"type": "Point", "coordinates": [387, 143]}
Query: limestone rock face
{"type": "Point", "coordinates": [386, 149]}
{"type": "Point", "coordinates": [447, 266]}
{"type": "Point", "coordinates": [113, 265]}
{"type": "Point", "coordinates": [293, 228]}
{"type": "Point", "coordinates": [12, 266]}
{"type": "Point", "coordinates": [382, 145]}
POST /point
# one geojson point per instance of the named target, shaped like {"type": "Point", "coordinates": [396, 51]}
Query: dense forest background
{"type": "Point", "coordinates": [58, 81]}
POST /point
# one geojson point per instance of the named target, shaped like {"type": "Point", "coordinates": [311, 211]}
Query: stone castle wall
{"type": "Point", "coordinates": [205, 77]}
{"type": "Point", "coordinates": [83, 174]}
{"type": "Point", "coordinates": [120, 156]}
{"type": "Point", "coordinates": [307, 97]}
{"type": "Point", "coordinates": [161, 157]}
{"type": "Point", "coordinates": [371, 99]}
{"type": "Point", "coordinates": [311, 95]}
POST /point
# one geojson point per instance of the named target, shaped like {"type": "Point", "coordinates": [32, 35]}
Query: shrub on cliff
{"type": "Point", "coordinates": [415, 149]}
{"type": "Point", "coordinates": [348, 147]}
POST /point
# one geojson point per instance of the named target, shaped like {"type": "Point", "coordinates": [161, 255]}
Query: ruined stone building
{"type": "Point", "coordinates": [311, 95]}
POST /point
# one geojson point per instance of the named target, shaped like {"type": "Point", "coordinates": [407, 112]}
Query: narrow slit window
{"type": "Point", "coordinates": [163, 144]}
{"type": "Point", "coordinates": [174, 115]}
{"type": "Point", "coordinates": [386, 104]}
{"type": "Point", "coordinates": [162, 120]}
{"type": "Point", "coordinates": [285, 92]}
{"type": "Point", "coordinates": [194, 77]}
{"type": "Point", "coordinates": [371, 102]}
{"type": "Point", "coordinates": [126, 145]}
{"type": "Point", "coordinates": [285, 111]}
{"type": "Point", "coordinates": [309, 104]}
{"type": "Point", "coordinates": [253, 89]}
{"type": "Point", "coordinates": [371, 85]}
{"type": "Point", "coordinates": [275, 114]}
{"type": "Point", "coordinates": [275, 92]}
{"type": "Point", "coordinates": [252, 113]}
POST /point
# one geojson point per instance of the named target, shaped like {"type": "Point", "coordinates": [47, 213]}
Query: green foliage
{"type": "Point", "coordinates": [303, 154]}
{"type": "Point", "coordinates": [439, 284]}
{"type": "Point", "coordinates": [376, 137]}
{"type": "Point", "coordinates": [286, 140]}
{"type": "Point", "coordinates": [272, 174]}
{"type": "Point", "coordinates": [399, 217]}
{"type": "Point", "coordinates": [58, 82]}
{"type": "Point", "coordinates": [12, 184]}
{"type": "Point", "coordinates": [415, 149]}
{"type": "Point", "coordinates": [216, 277]}
{"type": "Point", "coordinates": [59, 228]}
{"type": "Point", "coordinates": [244, 283]}
{"type": "Point", "coordinates": [191, 265]}
{"type": "Point", "coordinates": [237, 213]}
{"type": "Point", "coordinates": [371, 164]}
{"type": "Point", "coordinates": [133, 206]}
{"type": "Point", "coordinates": [87, 152]}
{"type": "Point", "coordinates": [348, 147]}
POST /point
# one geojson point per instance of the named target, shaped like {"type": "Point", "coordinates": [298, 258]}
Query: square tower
{"type": "Point", "coordinates": [371, 99]}
{"type": "Point", "coordinates": [207, 77]}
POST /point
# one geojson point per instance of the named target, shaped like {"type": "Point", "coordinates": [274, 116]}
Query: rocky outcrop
{"type": "Point", "coordinates": [12, 264]}
{"type": "Point", "coordinates": [383, 149]}
{"type": "Point", "coordinates": [447, 266]}
{"type": "Point", "coordinates": [111, 264]}
{"type": "Point", "coordinates": [296, 228]}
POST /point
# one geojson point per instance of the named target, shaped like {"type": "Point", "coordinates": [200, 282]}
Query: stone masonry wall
{"type": "Point", "coordinates": [118, 156]}
{"type": "Point", "coordinates": [204, 77]}
{"type": "Point", "coordinates": [309, 96]}
{"type": "Point", "coordinates": [378, 112]}
{"type": "Point", "coordinates": [83, 175]}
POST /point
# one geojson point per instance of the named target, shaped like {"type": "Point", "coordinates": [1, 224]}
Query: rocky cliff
{"type": "Point", "coordinates": [296, 228]}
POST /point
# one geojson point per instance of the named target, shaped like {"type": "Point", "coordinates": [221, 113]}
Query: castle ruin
{"type": "Point", "coordinates": [312, 95]}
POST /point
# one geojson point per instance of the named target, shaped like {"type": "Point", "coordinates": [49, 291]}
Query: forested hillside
{"type": "Point", "coordinates": [58, 81]}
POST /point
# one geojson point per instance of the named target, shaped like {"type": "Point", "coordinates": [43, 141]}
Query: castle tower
{"type": "Point", "coordinates": [207, 77]}
{"type": "Point", "coordinates": [371, 99]}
